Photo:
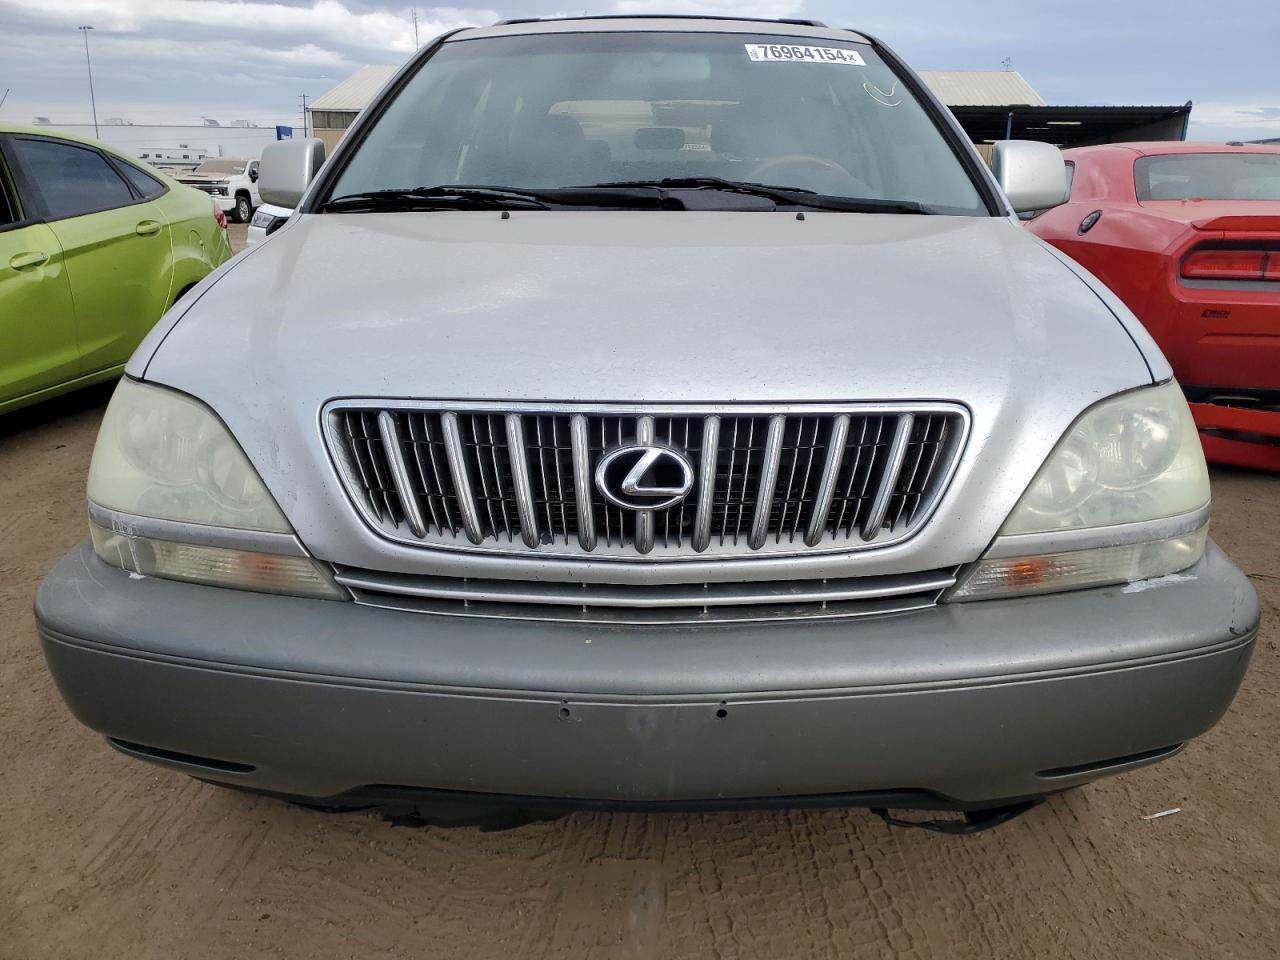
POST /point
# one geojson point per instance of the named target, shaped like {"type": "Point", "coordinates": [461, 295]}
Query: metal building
{"type": "Point", "coordinates": [329, 114]}
{"type": "Point", "coordinates": [1000, 105]}
{"type": "Point", "coordinates": [990, 105]}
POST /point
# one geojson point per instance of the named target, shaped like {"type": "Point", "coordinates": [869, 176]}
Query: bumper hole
{"type": "Point", "coordinates": [721, 713]}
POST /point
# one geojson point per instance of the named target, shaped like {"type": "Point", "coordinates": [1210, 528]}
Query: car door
{"type": "Point", "coordinates": [38, 347]}
{"type": "Point", "coordinates": [116, 245]}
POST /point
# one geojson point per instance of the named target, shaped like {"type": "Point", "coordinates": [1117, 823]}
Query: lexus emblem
{"type": "Point", "coordinates": [644, 476]}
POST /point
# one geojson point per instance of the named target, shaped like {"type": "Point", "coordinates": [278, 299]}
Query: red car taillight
{"type": "Point", "coordinates": [219, 216]}
{"type": "Point", "coordinates": [1232, 265]}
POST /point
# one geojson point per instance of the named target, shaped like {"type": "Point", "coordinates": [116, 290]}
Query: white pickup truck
{"type": "Point", "coordinates": [231, 181]}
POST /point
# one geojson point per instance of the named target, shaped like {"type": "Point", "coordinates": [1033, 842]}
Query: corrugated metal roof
{"type": "Point", "coordinates": [981, 88]}
{"type": "Point", "coordinates": [355, 92]}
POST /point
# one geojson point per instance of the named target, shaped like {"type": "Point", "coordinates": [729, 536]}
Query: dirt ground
{"type": "Point", "coordinates": [103, 857]}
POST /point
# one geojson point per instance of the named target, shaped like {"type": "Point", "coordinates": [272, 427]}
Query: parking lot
{"type": "Point", "coordinates": [106, 857]}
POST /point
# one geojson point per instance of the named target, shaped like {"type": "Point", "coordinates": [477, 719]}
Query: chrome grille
{"type": "Point", "coordinates": [519, 478]}
{"type": "Point", "coordinates": [649, 604]}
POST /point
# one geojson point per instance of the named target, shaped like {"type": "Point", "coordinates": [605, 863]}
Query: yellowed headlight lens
{"type": "Point", "coordinates": [215, 566]}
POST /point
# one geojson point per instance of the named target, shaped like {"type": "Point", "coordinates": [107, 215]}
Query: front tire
{"type": "Point", "coordinates": [243, 210]}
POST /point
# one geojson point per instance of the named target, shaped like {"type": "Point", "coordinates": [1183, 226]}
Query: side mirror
{"type": "Point", "coordinates": [253, 174]}
{"type": "Point", "coordinates": [1032, 175]}
{"type": "Point", "coordinates": [287, 169]}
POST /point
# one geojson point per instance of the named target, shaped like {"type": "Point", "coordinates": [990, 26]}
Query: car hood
{"type": "Point", "coordinates": [651, 306]}
{"type": "Point", "coordinates": [646, 306]}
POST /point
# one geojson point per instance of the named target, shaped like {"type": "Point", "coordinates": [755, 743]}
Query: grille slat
{"type": "Point", "coordinates": [521, 478]}
{"type": "Point", "coordinates": [646, 432]}
{"type": "Point", "coordinates": [461, 477]}
{"type": "Point", "coordinates": [579, 435]}
{"type": "Point", "coordinates": [392, 449]}
{"type": "Point", "coordinates": [768, 482]}
{"type": "Point", "coordinates": [894, 458]}
{"type": "Point", "coordinates": [706, 483]}
{"type": "Point", "coordinates": [827, 484]}
{"type": "Point", "coordinates": [517, 453]}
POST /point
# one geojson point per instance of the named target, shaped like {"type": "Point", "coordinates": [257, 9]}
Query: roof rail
{"type": "Point", "coordinates": [792, 21]}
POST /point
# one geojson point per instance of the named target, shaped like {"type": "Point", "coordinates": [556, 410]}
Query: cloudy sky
{"type": "Point", "coordinates": [172, 61]}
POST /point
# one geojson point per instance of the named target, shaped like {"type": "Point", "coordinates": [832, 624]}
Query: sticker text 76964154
{"type": "Point", "coordinates": [784, 53]}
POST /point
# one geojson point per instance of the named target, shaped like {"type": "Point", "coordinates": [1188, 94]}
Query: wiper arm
{"type": "Point", "coordinates": [419, 198]}
{"type": "Point", "coordinates": [459, 196]}
{"type": "Point", "coordinates": [781, 194]}
{"type": "Point", "coordinates": [795, 196]}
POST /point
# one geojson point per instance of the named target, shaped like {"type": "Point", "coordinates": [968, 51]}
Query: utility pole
{"type": "Point", "coordinates": [415, 28]}
{"type": "Point", "coordinates": [303, 98]}
{"type": "Point", "coordinates": [89, 63]}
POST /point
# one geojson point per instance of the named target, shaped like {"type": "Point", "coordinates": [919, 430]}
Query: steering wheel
{"type": "Point", "coordinates": [829, 167]}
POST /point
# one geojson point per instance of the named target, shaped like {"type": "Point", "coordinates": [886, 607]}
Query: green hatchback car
{"type": "Point", "coordinates": [94, 248]}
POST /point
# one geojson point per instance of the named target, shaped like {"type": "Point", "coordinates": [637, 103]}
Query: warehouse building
{"type": "Point", "coordinates": [329, 115]}
{"type": "Point", "coordinates": [1001, 105]}
{"type": "Point", "coordinates": [990, 105]}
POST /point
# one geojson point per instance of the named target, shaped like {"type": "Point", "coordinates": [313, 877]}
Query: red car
{"type": "Point", "coordinates": [1188, 236]}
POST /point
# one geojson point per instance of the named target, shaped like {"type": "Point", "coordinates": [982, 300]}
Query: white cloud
{"type": "Point", "coordinates": [169, 59]}
{"type": "Point", "coordinates": [327, 21]}
{"type": "Point", "coordinates": [1260, 119]}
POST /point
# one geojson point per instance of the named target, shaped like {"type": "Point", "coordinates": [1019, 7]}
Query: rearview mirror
{"type": "Point", "coordinates": [1032, 175]}
{"type": "Point", "coordinates": [287, 169]}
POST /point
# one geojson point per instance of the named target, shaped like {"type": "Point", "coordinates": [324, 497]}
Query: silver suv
{"type": "Point", "coordinates": [650, 413]}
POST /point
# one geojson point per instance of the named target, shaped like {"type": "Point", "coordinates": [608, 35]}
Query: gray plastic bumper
{"type": "Point", "coordinates": [976, 702]}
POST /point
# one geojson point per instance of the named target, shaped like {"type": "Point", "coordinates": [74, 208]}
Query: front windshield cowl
{"type": "Point", "coordinates": [563, 111]}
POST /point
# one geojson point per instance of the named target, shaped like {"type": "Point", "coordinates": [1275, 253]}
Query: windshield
{"type": "Point", "coordinates": [221, 166]}
{"type": "Point", "coordinates": [582, 109]}
{"type": "Point", "coordinates": [1209, 176]}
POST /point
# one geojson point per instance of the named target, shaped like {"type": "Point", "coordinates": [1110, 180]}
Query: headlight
{"type": "Point", "coordinates": [1130, 458]}
{"type": "Point", "coordinates": [172, 495]}
{"type": "Point", "coordinates": [262, 219]}
{"type": "Point", "coordinates": [1123, 497]}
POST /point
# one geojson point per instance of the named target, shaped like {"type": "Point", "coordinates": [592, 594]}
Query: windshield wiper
{"type": "Point", "coordinates": [792, 196]}
{"type": "Point", "coordinates": [619, 193]}
{"type": "Point", "coordinates": [429, 198]}
{"type": "Point", "coordinates": [480, 197]}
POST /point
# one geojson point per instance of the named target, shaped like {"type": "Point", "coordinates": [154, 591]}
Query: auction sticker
{"type": "Point", "coordinates": [782, 53]}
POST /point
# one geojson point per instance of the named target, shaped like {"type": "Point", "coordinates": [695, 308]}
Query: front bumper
{"type": "Point", "coordinates": [973, 702]}
{"type": "Point", "coordinates": [223, 202]}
